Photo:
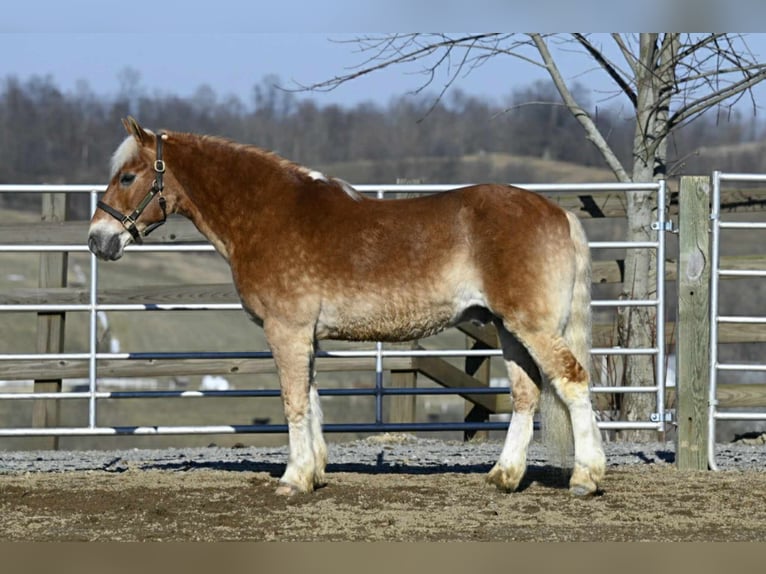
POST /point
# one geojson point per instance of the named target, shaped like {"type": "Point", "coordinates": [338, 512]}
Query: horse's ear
{"type": "Point", "coordinates": [132, 127]}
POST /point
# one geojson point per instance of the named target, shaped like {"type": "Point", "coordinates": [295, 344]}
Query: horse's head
{"type": "Point", "coordinates": [133, 204]}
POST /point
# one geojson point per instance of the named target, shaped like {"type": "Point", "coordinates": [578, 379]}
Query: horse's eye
{"type": "Point", "coordinates": [127, 178]}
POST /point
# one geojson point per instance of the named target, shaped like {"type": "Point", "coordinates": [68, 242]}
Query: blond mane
{"type": "Point", "coordinates": [129, 150]}
{"type": "Point", "coordinates": [126, 151]}
{"type": "Point", "coordinates": [286, 164]}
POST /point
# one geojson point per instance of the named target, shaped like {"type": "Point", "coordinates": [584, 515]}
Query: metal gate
{"type": "Point", "coordinates": [377, 351]}
{"type": "Point", "coordinates": [716, 319]}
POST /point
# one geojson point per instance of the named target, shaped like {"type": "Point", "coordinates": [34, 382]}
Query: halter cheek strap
{"type": "Point", "coordinates": [129, 221]}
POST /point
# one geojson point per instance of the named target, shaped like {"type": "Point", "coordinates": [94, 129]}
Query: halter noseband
{"type": "Point", "coordinates": [129, 221]}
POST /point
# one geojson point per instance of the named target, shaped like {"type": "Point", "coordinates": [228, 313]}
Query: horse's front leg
{"type": "Point", "coordinates": [293, 351]}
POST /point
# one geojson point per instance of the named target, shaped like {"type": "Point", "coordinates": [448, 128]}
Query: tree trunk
{"type": "Point", "coordinates": [636, 326]}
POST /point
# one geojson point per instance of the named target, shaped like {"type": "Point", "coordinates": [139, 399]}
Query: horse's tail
{"type": "Point", "coordinates": [557, 426]}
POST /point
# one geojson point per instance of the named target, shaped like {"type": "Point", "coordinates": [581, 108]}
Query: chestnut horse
{"type": "Point", "coordinates": [313, 259]}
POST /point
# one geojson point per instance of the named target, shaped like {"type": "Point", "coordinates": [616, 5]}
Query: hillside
{"type": "Point", "coordinates": [741, 157]}
{"type": "Point", "coordinates": [473, 168]}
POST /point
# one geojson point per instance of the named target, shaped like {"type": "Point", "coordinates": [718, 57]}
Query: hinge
{"type": "Point", "coordinates": [667, 417]}
{"type": "Point", "coordinates": [666, 226]}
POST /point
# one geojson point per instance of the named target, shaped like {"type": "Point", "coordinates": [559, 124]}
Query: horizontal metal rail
{"type": "Point", "coordinates": [625, 303]}
{"type": "Point", "coordinates": [281, 429]}
{"type": "Point", "coordinates": [72, 307]}
{"type": "Point", "coordinates": [741, 320]}
{"type": "Point", "coordinates": [742, 273]}
{"type": "Point", "coordinates": [63, 307]}
{"type": "Point", "coordinates": [422, 188]}
{"type": "Point", "coordinates": [623, 244]}
{"type": "Point", "coordinates": [257, 393]}
{"type": "Point", "coordinates": [79, 248]}
{"type": "Point", "coordinates": [207, 247]}
{"type": "Point", "coordinates": [735, 416]}
{"type": "Point", "coordinates": [741, 225]}
{"type": "Point", "coordinates": [264, 393]}
{"type": "Point", "coordinates": [241, 429]}
{"type": "Point", "coordinates": [741, 367]}
{"type": "Point", "coordinates": [51, 188]}
{"type": "Point", "coordinates": [358, 354]}
{"type": "Point", "coordinates": [722, 176]}
{"type": "Point", "coordinates": [625, 390]}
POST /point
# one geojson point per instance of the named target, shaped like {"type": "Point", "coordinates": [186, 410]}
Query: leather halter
{"type": "Point", "coordinates": [129, 221]}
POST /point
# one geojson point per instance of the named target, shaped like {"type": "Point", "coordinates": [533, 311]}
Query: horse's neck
{"type": "Point", "coordinates": [219, 206]}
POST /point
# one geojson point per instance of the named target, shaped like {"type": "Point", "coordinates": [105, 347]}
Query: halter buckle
{"type": "Point", "coordinates": [159, 166]}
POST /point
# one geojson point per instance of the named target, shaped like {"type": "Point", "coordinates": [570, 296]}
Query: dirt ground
{"type": "Point", "coordinates": [638, 503]}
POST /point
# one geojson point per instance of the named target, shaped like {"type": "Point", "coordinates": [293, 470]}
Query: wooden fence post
{"type": "Point", "coordinates": [692, 351]}
{"type": "Point", "coordinates": [402, 408]}
{"type": "Point", "coordinates": [50, 326]}
{"type": "Point", "coordinates": [479, 368]}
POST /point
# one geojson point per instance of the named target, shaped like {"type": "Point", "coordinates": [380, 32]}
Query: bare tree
{"type": "Point", "coordinates": [668, 79]}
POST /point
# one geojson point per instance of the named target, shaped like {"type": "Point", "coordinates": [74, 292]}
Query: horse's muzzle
{"type": "Point", "coordinates": [107, 247]}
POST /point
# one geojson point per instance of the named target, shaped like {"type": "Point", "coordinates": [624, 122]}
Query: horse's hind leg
{"type": "Point", "coordinates": [570, 380]}
{"type": "Point", "coordinates": [293, 353]}
{"type": "Point", "coordinates": [511, 466]}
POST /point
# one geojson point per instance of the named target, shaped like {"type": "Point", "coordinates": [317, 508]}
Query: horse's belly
{"type": "Point", "coordinates": [387, 323]}
{"type": "Point", "coordinates": [388, 315]}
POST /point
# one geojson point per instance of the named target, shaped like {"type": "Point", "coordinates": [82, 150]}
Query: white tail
{"type": "Point", "coordinates": [556, 424]}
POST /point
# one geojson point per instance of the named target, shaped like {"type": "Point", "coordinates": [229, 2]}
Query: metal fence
{"type": "Point", "coordinates": [717, 273]}
{"type": "Point", "coordinates": [376, 351]}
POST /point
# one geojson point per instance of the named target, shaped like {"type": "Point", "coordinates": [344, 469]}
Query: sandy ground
{"type": "Point", "coordinates": [234, 501]}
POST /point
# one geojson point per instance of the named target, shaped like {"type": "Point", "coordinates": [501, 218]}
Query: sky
{"type": "Point", "coordinates": [232, 63]}
{"type": "Point", "coordinates": [231, 45]}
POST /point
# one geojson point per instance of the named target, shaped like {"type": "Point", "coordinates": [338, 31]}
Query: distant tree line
{"type": "Point", "coordinates": [51, 136]}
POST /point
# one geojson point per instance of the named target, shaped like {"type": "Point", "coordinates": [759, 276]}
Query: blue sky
{"type": "Point", "coordinates": [231, 45]}
{"type": "Point", "coordinates": [232, 63]}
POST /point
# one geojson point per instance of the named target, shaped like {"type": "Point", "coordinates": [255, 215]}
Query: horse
{"type": "Point", "coordinates": [311, 259]}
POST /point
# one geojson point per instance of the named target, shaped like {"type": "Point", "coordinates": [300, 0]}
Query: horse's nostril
{"type": "Point", "coordinates": [105, 247]}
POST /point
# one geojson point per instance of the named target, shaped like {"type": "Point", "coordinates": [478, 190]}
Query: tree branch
{"type": "Point", "coordinates": [403, 49]}
{"type": "Point", "coordinates": [610, 69]}
{"type": "Point", "coordinates": [702, 104]}
{"type": "Point", "coordinates": [630, 58]}
{"type": "Point", "coordinates": [718, 72]}
{"type": "Point", "coordinates": [591, 131]}
{"type": "Point", "coordinates": [695, 47]}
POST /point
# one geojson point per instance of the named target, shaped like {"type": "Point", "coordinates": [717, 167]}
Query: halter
{"type": "Point", "coordinates": [129, 221]}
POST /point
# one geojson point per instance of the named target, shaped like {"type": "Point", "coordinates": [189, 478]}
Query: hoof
{"type": "Point", "coordinates": [319, 481]}
{"type": "Point", "coordinates": [504, 479]}
{"type": "Point", "coordinates": [285, 489]}
{"type": "Point", "coordinates": [585, 482]}
{"type": "Point", "coordinates": [583, 491]}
